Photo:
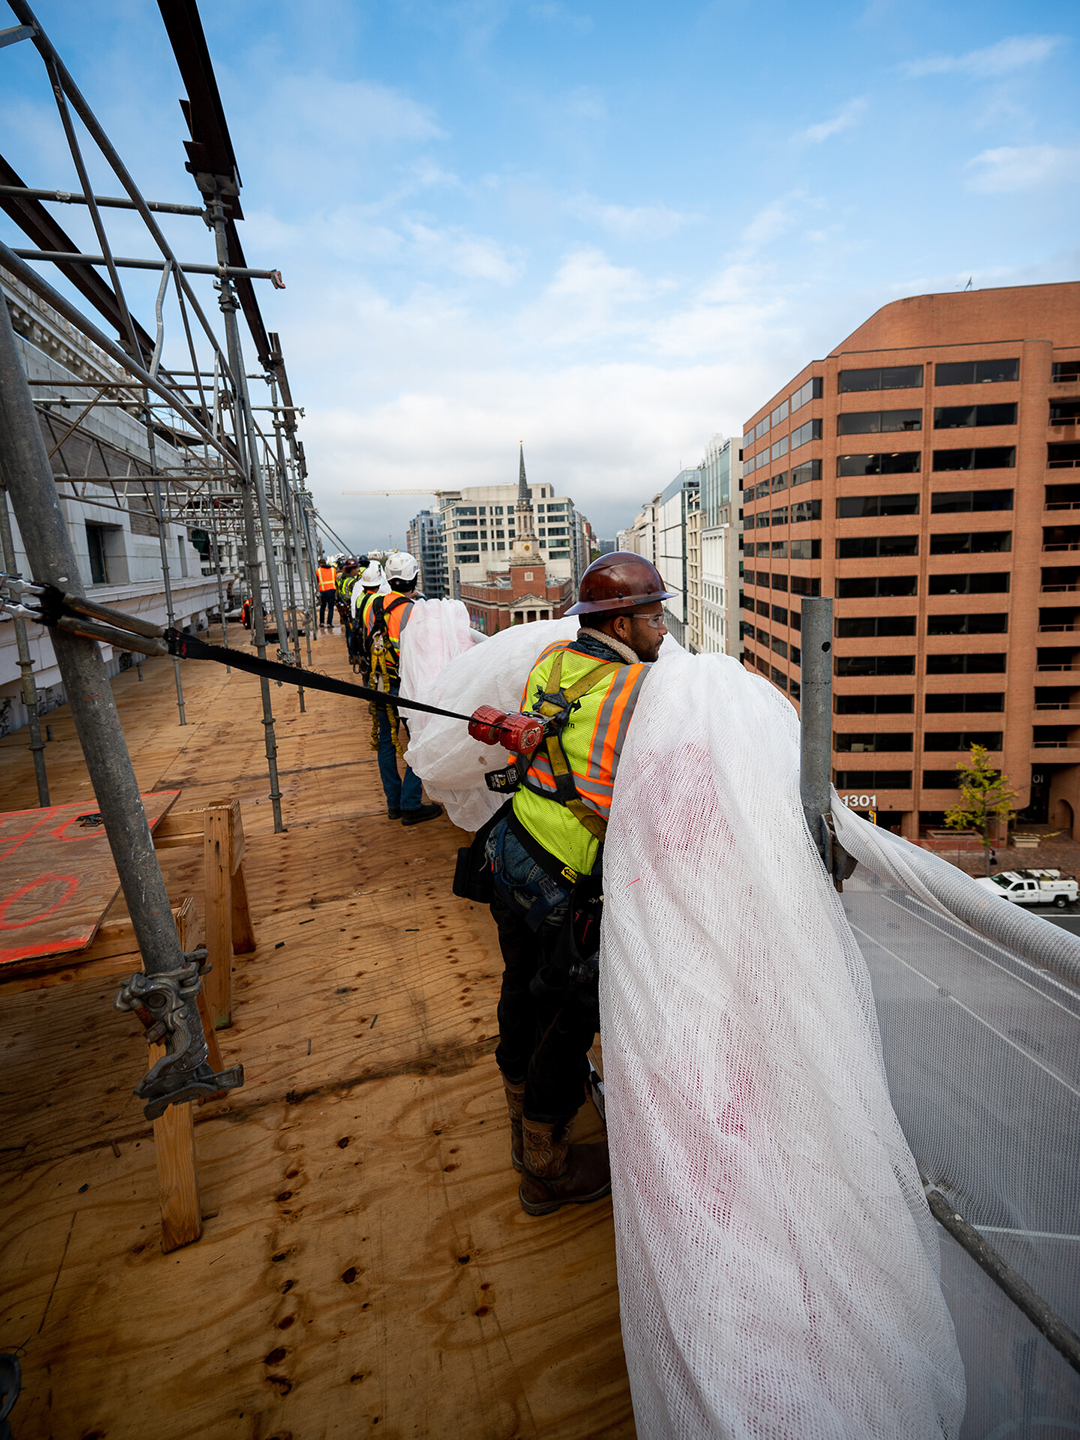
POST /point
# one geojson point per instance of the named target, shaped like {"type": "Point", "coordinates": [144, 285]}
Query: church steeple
{"type": "Point", "coordinates": [525, 530]}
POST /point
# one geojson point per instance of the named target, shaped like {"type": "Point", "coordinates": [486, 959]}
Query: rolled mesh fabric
{"type": "Point", "coordinates": [777, 1261]}
{"type": "Point", "coordinates": [434, 632]}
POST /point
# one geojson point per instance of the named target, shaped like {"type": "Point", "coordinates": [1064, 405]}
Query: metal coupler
{"type": "Point", "coordinates": [167, 1006]}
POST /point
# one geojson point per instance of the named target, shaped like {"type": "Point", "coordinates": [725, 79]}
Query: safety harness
{"type": "Point", "coordinates": [383, 660]}
{"type": "Point", "coordinates": [556, 705]}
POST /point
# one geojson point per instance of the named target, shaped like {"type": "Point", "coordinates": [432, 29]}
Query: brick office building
{"type": "Point", "coordinates": [926, 474]}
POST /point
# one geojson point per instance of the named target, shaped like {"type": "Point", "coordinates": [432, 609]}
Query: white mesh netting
{"type": "Point", "coordinates": [777, 1262]}
{"type": "Point", "coordinates": [981, 1036]}
{"type": "Point", "coordinates": [448, 760]}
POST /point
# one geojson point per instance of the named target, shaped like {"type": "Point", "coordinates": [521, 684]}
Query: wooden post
{"type": "Point", "coordinates": [243, 934]}
{"type": "Point", "coordinates": [217, 902]}
{"type": "Point", "coordinates": [178, 1181]}
{"type": "Point", "coordinates": [174, 1147]}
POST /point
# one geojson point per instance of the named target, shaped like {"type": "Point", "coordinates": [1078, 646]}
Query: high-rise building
{"type": "Point", "coordinates": [671, 555]}
{"type": "Point", "coordinates": [921, 474]}
{"type": "Point", "coordinates": [425, 543]}
{"type": "Point", "coordinates": [721, 548]}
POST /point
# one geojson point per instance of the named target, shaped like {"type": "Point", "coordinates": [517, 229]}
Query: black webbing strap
{"type": "Point", "coordinates": [189, 648]}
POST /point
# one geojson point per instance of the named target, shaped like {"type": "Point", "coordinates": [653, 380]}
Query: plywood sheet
{"type": "Point", "coordinates": [57, 876]}
{"type": "Point", "coordinates": [365, 1267]}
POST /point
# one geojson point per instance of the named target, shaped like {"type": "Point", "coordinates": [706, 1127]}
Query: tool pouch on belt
{"type": "Point", "coordinates": [472, 873]}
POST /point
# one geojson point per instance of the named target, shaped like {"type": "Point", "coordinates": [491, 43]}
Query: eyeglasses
{"type": "Point", "coordinates": [656, 621]}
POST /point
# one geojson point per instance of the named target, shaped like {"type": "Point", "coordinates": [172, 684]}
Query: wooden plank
{"type": "Point", "coordinates": [178, 1184]}
{"type": "Point", "coordinates": [58, 877]}
{"type": "Point", "coordinates": [243, 932]}
{"type": "Point", "coordinates": [217, 912]}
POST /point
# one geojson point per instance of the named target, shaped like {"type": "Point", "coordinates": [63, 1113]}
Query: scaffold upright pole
{"type": "Point", "coordinates": [26, 664]}
{"type": "Point", "coordinates": [815, 711]}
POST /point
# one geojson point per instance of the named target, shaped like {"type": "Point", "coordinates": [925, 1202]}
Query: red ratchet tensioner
{"type": "Point", "coordinates": [519, 733]}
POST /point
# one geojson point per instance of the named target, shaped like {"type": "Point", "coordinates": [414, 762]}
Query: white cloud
{"type": "Point", "coordinates": [999, 59]}
{"type": "Point", "coordinates": [1023, 167]}
{"type": "Point", "coordinates": [850, 115]}
{"type": "Point", "coordinates": [629, 222]}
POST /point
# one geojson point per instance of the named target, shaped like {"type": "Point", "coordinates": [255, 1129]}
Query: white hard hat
{"type": "Point", "coordinates": [372, 576]}
{"type": "Point", "coordinates": [402, 566]}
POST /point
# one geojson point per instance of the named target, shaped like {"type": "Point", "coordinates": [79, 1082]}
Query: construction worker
{"type": "Point", "coordinates": [346, 580]}
{"type": "Point", "coordinates": [327, 594]}
{"type": "Point", "coordinates": [363, 593]}
{"type": "Point", "coordinates": [545, 857]}
{"type": "Point", "coordinates": [385, 620]}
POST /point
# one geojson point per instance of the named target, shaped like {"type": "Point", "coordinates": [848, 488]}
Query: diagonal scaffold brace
{"type": "Point", "coordinates": [170, 980]}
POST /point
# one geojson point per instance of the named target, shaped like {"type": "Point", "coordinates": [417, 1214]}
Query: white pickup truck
{"type": "Point", "coordinates": [1032, 887]}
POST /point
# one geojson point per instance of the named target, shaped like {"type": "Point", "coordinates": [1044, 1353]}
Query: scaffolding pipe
{"type": "Point", "coordinates": [26, 664]}
{"type": "Point", "coordinates": [52, 561]}
{"type": "Point", "coordinates": [229, 304]}
{"type": "Point", "coordinates": [815, 713]}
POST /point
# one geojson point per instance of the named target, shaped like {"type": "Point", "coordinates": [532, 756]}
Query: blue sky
{"type": "Point", "coordinates": [608, 229]}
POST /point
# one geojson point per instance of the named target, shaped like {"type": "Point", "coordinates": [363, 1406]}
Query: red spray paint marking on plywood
{"type": "Point", "coordinates": [57, 877]}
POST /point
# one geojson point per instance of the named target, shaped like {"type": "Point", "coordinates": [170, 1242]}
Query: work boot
{"type": "Point", "coordinates": [557, 1173]}
{"type": "Point", "coordinates": [515, 1099]}
{"type": "Point", "coordinates": [422, 813]}
{"type": "Point", "coordinates": [393, 814]}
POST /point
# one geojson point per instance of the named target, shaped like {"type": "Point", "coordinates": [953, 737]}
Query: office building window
{"type": "Point", "coordinates": [812, 390]}
{"type": "Point", "coordinates": [989, 582]}
{"type": "Point", "coordinates": [867, 742]}
{"type": "Point", "coordinates": [464, 509]}
{"type": "Point", "coordinates": [808, 470]}
{"type": "Point", "coordinates": [795, 690]}
{"type": "Point", "coordinates": [804, 585]}
{"type": "Point", "coordinates": [780, 413]}
{"type": "Point", "coordinates": [957, 502]}
{"type": "Point", "coordinates": [900, 462]}
{"type": "Point", "coordinates": [966, 664]}
{"type": "Point", "coordinates": [779, 447]}
{"type": "Point", "coordinates": [761, 428]}
{"type": "Point", "coordinates": [995, 624]}
{"type": "Point", "coordinates": [805, 510]}
{"type": "Point", "coordinates": [779, 614]}
{"type": "Point", "coordinates": [779, 646]}
{"type": "Point", "coordinates": [778, 677]}
{"type": "Point", "coordinates": [806, 549]}
{"type": "Point", "coordinates": [860, 507]}
{"type": "Point", "coordinates": [983, 457]}
{"type": "Point", "coordinates": [887, 377]}
{"type": "Point", "coordinates": [874, 704]}
{"type": "Point", "coordinates": [810, 431]}
{"type": "Point", "coordinates": [979, 542]}
{"type": "Point", "coordinates": [779, 582]}
{"type": "Point", "coordinates": [779, 482]}
{"type": "Point", "coordinates": [1062, 457]}
{"type": "Point", "coordinates": [779, 515]}
{"type": "Point", "coordinates": [856, 665]}
{"type": "Point", "coordinates": [868, 627]}
{"type": "Point", "coordinates": [762, 607]}
{"type": "Point", "coordinates": [976, 372]}
{"type": "Point", "coordinates": [983, 700]}
{"type": "Point", "coordinates": [95, 539]}
{"type": "Point", "coordinates": [870, 546]}
{"type": "Point", "coordinates": [1065, 372]}
{"type": "Point", "coordinates": [960, 417]}
{"type": "Point", "coordinates": [870, 780]}
{"type": "Point", "coordinates": [941, 780]}
{"type": "Point", "coordinates": [961, 739]}
{"type": "Point", "coordinates": [878, 422]}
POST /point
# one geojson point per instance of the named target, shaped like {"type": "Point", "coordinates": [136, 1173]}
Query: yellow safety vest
{"type": "Point", "coordinates": [592, 742]}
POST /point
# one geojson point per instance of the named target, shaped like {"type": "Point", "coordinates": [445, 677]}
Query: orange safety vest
{"type": "Point", "coordinates": [387, 616]}
{"type": "Point", "coordinates": [327, 579]}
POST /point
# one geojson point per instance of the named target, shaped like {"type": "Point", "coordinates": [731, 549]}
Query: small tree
{"type": "Point", "coordinates": [985, 796]}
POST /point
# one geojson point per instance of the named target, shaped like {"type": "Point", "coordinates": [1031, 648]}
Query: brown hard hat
{"type": "Point", "coordinates": [619, 581]}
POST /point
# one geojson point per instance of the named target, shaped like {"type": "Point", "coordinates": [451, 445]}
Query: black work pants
{"type": "Point", "coordinates": [327, 606]}
{"type": "Point", "coordinates": [543, 1039]}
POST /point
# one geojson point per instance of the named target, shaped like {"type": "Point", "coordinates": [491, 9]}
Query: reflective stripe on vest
{"type": "Point", "coordinates": [592, 741]}
{"type": "Point", "coordinates": [327, 579]}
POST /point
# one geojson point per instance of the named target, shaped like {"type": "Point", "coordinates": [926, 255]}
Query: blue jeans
{"type": "Point", "coordinates": [401, 794]}
{"type": "Point", "coordinates": [523, 885]}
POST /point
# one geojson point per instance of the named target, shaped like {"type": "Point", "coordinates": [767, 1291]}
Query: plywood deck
{"type": "Point", "coordinates": [365, 1267]}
